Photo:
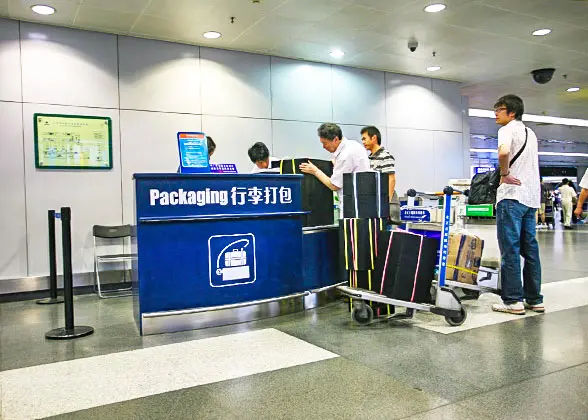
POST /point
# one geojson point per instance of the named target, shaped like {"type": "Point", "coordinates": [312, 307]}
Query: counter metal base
{"type": "Point", "coordinates": [217, 316]}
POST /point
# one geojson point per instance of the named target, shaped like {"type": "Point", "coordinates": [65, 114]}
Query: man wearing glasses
{"type": "Point", "coordinates": [518, 198]}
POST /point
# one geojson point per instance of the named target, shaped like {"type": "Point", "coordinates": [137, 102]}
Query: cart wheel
{"type": "Point", "coordinates": [363, 315]}
{"type": "Point", "coordinates": [456, 321]}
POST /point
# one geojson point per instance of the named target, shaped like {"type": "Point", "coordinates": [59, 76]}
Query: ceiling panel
{"type": "Point", "coordinates": [3, 7]}
{"type": "Point", "coordinates": [131, 6]}
{"type": "Point", "coordinates": [66, 11]}
{"type": "Point", "coordinates": [105, 20]}
{"type": "Point", "coordinates": [487, 44]}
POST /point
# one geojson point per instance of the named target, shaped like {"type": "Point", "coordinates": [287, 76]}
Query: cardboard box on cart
{"type": "Point", "coordinates": [465, 254]}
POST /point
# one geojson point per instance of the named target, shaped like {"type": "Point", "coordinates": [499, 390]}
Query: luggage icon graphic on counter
{"type": "Point", "coordinates": [232, 260]}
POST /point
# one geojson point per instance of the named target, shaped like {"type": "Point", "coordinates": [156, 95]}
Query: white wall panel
{"type": "Point", "coordinates": [353, 132]}
{"type": "Point", "coordinates": [13, 245]}
{"type": "Point", "coordinates": [10, 83]}
{"type": "Point", "coordinates": [466, 140]}
{"type": "Point", "coordinates": [159, 76]}
{"type": "Point", "coordinates": [68, 67]}
{"type": "Point", "coordinates": [359, 96]}
{"type": "Point", "coordinates": [414, 154]}
{"type": "Point", "coordinates": [93, 195]}
{"type": "Point", "coordinates": [448, 149]}
{"type": "Point", "coordinates": [294, 139]}
{"type": "Point", "coordinates": [301, 91]}
{"type": "Point", "coordinates": [234, 136]}
{"type": "Point", "coordinates": [422, 103]}
{"type": "Point", "coordinates": [235, 83]}
{"type": "Point", "coordinates": [149, 144]}
{"type": "Point", "coordinates": [408, 100]}
{"type": "Point", "coordinates": [448, 114]}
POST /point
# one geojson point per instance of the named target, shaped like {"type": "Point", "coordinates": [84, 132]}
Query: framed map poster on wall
{"type": "Point", "coordinates": [72, 142]}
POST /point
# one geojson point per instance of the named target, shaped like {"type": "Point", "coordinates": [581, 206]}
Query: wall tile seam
{"type": "Point", "coordinates": [234, 116]}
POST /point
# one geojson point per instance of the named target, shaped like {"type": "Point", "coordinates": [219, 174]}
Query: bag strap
{"type": "Point", "coordinates": [514, 159]}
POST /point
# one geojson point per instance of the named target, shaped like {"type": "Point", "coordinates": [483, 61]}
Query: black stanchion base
{"type": "Point", "coordinates": [50, 301]}
{"type": "Point", "coordinates": [63, 334]}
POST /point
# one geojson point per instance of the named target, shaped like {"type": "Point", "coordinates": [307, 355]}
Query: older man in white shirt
{"type": "Point", "coordinates": [349, 157]}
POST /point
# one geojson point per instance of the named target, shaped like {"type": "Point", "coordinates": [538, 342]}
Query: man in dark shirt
{"type": "Point", "coordinates": [382, 161]}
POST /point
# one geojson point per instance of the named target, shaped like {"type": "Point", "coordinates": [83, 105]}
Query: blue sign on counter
{"type": "Point", "coordinates": [415, 215]}
{"type": "Point", "coordinates": [223, 168]}
{"type": "Point", "coordinates": [193, 148]}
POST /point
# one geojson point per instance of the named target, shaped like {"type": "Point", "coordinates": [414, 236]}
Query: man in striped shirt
{"type": "Point", "coordinates": [382, 161]}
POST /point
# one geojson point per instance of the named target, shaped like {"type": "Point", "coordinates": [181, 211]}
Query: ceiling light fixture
{"type": "Point", "coordinates": [42, 9]}
{"type": "Point", "coordinates": [212, 35]}
{"type": "Point", "coordinates": [542, 32]}
{"type": "Point", "coordinates": [337, 53]}
{"type": "Point", "coordinates": [435, 7]}
{"type": "Point", "coordinates": [573, 89]}
{"type": "Point", "coordinates": [433, 68]}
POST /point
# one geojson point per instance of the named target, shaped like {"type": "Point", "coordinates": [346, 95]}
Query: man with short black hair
{"type": "Point", "coordinates": [381, 160]}
{"type": "Point", "coordinates": [260, 156]}
{"type": "Point", "coordinates": [518, 198]}
{"type": "Point", "coordinates": [349, 157]}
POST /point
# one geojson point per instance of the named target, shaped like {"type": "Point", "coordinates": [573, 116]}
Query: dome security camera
{"type": "Point", "coordinates": [542, 76]}
{"type": "Point", "coordinates": [413, 44]}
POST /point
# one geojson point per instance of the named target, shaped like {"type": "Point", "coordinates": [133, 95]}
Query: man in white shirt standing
{"type": "Point", "coordinates": [349, 157]}
{"type": "Point", "coordinates": [567, 194]}
{"type": "Point", "coordinates": [518, 198]}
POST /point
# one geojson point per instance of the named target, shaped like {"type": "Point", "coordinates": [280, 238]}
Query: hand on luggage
{"type": "Point", "coordinates": [308, 168]}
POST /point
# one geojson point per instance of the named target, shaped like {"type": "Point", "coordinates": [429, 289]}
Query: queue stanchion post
{"type": "Point", "coordinates": [70, 331]}
{"type": "Point", "coordinates": [53, 298]}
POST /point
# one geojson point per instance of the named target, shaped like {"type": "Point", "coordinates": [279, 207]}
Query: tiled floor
{"type": "Point", "coordinates": [526, 368]}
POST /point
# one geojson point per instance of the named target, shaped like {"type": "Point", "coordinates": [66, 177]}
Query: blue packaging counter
{"type": "Point", "coordinates": [215, 249]}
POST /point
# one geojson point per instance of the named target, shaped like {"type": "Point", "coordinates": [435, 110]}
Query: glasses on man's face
{"type": "Point", "coordinates": [498, 110]}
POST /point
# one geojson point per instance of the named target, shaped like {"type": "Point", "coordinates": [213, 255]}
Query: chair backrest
{"type": "Point", "coordinates": [112, 232]}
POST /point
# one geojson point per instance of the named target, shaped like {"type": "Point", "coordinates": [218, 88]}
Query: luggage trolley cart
{"type": "Point", "coordinates": [447, 303]}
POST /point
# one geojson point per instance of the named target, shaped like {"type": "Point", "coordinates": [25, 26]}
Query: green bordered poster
{"type": "Point", "coordinates": [72, 142]}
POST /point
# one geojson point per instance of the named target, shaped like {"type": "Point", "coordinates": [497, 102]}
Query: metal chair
{"type": "Point", "coordinates": [110, 233]}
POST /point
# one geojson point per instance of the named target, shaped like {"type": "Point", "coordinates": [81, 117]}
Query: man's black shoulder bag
{"type": "Point", "coordinates": [484, 186]}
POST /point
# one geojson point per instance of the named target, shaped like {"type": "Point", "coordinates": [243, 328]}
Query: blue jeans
{"type": "Point", "coordinates": [515, 225]}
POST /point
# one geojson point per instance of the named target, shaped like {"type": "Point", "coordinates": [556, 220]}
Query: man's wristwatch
{"type": "Point", "coordinates": [506, 174]}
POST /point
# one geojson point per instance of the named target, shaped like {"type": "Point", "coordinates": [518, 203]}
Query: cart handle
{"type": "Point", "coordinates": [446, 191]}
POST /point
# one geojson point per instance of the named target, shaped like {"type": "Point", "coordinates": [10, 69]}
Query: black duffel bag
{"type": "Point", "coordinates": [484, 186]}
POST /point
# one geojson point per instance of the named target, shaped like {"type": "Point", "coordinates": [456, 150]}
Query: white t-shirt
{"type": "Point", "coordinates": [567, 193]}
{"type": "Point", "coordinates": [584, 181]}
{"type": "Point", "coordinates": [350, 157]}
{"type": "Point", "coordinates": [256, 170]}
{"type": "Point", "coordinates": [511, 137]}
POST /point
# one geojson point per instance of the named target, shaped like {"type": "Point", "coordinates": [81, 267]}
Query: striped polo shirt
{"type": "Point", "coordinates": [382, 161]}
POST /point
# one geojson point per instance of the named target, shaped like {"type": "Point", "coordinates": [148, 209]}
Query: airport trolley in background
{"type": "Point", "coordinates": [446, 304]}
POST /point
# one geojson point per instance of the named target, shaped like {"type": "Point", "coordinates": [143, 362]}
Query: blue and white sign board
{"type": "Point", "coordinates": [481, 169]}
{"type": "Point", "coordinates": [193, 149]}
{"type": "Point", "coordinates": [223, 168]}
{"type": "Point", "coordinates": [231, 260]}
{"type": "Point", "coordinates": [206, 240]}
{"type": "Point", "coordinates": [416, 214]}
